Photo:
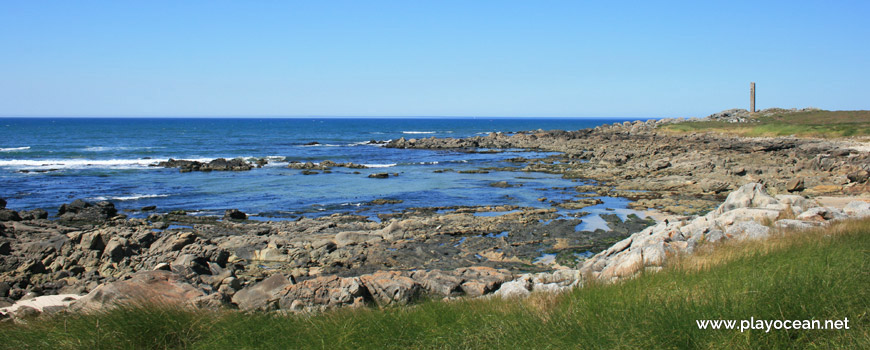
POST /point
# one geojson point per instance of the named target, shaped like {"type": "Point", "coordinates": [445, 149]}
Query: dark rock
{"type": "Point", "coordinates": [2, 203]}
{"type": "Point", "coordinates": [235, 214]}
{"type": "Point", "coordinates": [312, 143]}
{"type": "Point", "coordinates": [9, 215]}
{"type": "Point", "coordinates": [80, 210]}
{"type": "Point", "coordinates": [859, 176]}
{"type": "Point", "coordinates": [148, 208]}
{"type": "Point", "coordinates": [5, 248]}
{"type": "Point", "coordinates": [379, 175]}
{"type": "Point", "coordinates": [35, 214]}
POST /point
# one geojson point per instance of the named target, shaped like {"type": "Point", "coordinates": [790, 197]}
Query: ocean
{"type": "Point", "coordinates": [46, 162]}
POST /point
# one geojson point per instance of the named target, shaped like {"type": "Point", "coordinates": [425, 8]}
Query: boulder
{"type": "Point", "coordinates": [235, 214]}
{"type": "Point", "coordinates": [172, 242]}
{"type": "Point", "coordinates": [518, 288]}
{"type": "Point", "coordinates": [858, 209]}
{"type": "Point", "coordinates": [751, 195]}
{"type": "Point", "coordinates": [158, 286]}
{"type": "Point", "coordinates": [324, 292]}
{"type": "Point", "coordinates": [391, 287]}
{"type": "Point", "coordinates": [2, 203]}
{"type": "Point", "coordinates": [350, 238]}
{"type": "Point", "coordinates": [822, 214]}
{"type": "Point", "coordinates": [795, 185]}
{"type": "Point", "coordinates": [748, 230]}
{"type": "Point", "coordinates": [263, 295]}
{"type": "Point", "coordinates": [379, 175]}
{"type": "Point", "coordinates": [80, 210]}
{"type": "Point", "coordinates": [791, 224]}
{"type": "Point", "coordinates": [438, 282]}
{"type": "Point", "coordinates": [858, 176]}
{"type": "Point", "coordinates": [35, 214]}
{"type": "Point", "coordinates": [9, 215]}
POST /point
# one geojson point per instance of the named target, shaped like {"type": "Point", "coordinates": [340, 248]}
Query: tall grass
{"type": "Point", "coordinates": [821, 274]}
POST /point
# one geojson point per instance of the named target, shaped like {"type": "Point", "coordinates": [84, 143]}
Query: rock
{"type": "Point", "coordinates": [859, 176]}
{"type": "Point", "coordinates": [263, 295]}
{"type": "Point", "coordinates": [350, 238]}
{"type": "Point", "coordinates": [751, 195]}
{"type": "Point", "coordinates": [791, 224]}
{"type": "Point", "coordinates": [324, 292]}
{"type": "Point", "coordinates": [25, 312]}
{"type": "Point", "coordinates": [438, 282]}
{"type": "Point", "coordinates": [9, 215]}
{"type": "Point", "coordinates": [235, 214]}
{"type": "Point", "coordinates": [148, 208]}
{"type": "Point", "coordinates": [2, 203]}
{"type": "Point", "coordinates": [798, 203]}
{"type": "Point", "coordinates": [5, 249]}
{"type": "Point", "coordinates": [480, 280]}
{"type": "Point", "coordinates": [519, 288]}
{"type": "Point", "coordinates": [80, 210]}
{"type": "Point", "coordinates": [143, 287]}
{"type": "Point", "coordinates": [219, 164]}
{"type": "Point", "coordinates": [35, 214]}
{"type": "Point", "coordinates": [795, 185]}
{"type": "Point", "coordinates": [858, 209]}
{"type": "Point", "coordinates": [822, 214]}
{"type": "Point", "coordinates": [379, 175]}
{"type": "Point", "coordinates": [390, 287]}
{"type": "Point", "coordinates": [172, 242]}
{"type": "Point", "coordinates": [116, 249]}
{"type": "Point", "coordinates": [660, 164]}
{"type": "Point", "coordinates": [748, 230]}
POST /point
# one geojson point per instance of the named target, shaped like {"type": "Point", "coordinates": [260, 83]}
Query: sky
{"type": "Point", "coordinates": [430, 58]}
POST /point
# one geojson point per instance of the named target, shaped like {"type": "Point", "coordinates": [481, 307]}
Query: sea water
{"type": "Point", "coordinates": [45, 162]}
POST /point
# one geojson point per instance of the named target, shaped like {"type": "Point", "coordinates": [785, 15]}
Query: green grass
{"type": "Point", "coordinates": [811, 275]}
{"type": "Point", "coordinates": [827, 124]}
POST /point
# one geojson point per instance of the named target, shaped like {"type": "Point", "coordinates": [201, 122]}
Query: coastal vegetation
{"type": "Point", "coordinates": [818, 274]}
{"type": "Point", "coordinates": [805, 123]}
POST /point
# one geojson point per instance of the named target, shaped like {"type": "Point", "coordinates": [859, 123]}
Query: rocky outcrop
{"type": "Point", "coordinates": [745, 215]}
{"type": "Point", "coordinates": [159, 287]}
{"type": "Point", "coordinates": [219, 164]}
{"type": "Point", "coordinates": [80, 210]}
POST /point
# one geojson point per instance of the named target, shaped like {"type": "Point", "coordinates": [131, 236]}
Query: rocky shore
{"type": "Point", "coordinates": [715, 187]}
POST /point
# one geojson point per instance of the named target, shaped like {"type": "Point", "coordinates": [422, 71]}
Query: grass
{"type": "Point", "coordinates": [819, 123]}
{"type": "Point", "coordinates": [820, 274]}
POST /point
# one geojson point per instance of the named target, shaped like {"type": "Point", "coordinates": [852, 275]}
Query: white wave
{"type": "Point", "coordinates": [114, 148]}
{"type": "Point", "coordinates": [14, 149]}
{"type": "Point", "coordinates": [130, 197]}
{"type": "Point", "coordinates": [76, 163]}
{"type": "Point", "coordinates": [85, 163]}
{"type": "Point", "coordinates": [322, 145]}
{"type": "Point", "coordinates": [380, 165]}
{"type": "Point", "coordinates": [419, 132]}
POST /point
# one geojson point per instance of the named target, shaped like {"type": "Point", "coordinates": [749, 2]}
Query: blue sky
{"type": "Point", "coordinates": [429, 58]}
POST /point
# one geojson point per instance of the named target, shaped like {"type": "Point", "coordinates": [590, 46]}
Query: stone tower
{"type": "Point", "coordinates": [752, 97]}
